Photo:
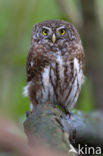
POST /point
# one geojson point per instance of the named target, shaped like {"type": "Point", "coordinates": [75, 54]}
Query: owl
{"type": "Point", "coordinates": [55, 65]}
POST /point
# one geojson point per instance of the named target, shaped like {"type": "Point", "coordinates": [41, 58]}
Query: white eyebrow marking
{"type": "Point", "coordinates": [47, 28]}
{"type": "Point", "coordinates": [62, 27]}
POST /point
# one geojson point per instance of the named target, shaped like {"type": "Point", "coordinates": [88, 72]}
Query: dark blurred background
{"type": "Point", "coordinates": [17, 18]}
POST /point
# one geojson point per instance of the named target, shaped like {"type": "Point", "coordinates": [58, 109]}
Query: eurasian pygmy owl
{"type": "Point", "coordinates": [55, 64]}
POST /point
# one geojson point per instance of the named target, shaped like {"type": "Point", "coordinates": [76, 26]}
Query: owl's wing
{"type": "Point", "coordinates": [80, 55]}
{"type": "Point", "coordinates": [36, 62]}
{"type": "Point", "coordinates": [30, 65]}
{"type": "Point", "coordinates": [82, 59]}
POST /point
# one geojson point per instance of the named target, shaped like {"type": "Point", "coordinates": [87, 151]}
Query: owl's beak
{"type": "Point", "coordinates": [53, 38]}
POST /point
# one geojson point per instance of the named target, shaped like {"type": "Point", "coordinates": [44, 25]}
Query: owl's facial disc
{"type": "Point", "coordinates": [53, 34]}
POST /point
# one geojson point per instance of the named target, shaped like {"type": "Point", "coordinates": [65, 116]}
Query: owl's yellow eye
{"type": "Point", "coordinates": [62, 31]}
{"type": "Point", "coordinates": [45, 32]}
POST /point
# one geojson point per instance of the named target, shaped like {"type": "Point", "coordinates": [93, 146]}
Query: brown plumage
{"type": "Point", "coordinates": [55, 64]}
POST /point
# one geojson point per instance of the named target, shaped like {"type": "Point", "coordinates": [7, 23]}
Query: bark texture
{"type": "Point", "coordinates": [59, 130]}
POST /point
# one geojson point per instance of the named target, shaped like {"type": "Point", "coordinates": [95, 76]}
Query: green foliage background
{"type": "Point", "coordinates": [17, 18]}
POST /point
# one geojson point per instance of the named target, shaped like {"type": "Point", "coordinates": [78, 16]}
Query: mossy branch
{"type": "Point", "coordinates": [59, 130]}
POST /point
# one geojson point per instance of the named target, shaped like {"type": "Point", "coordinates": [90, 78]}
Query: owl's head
{"type": "Point", "coordinates": [54, 31]}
